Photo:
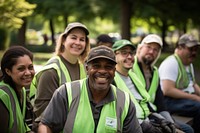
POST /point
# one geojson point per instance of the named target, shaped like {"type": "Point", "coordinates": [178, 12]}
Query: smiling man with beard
{"type": "Point", "coordinates": [178, 80]}
{"type": "Point", "coordinates": [147, 53]}
{"type": "Point", "coordinates": [93, 104]}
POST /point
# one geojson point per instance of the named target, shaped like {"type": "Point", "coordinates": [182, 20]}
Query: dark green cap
{"type": "Point", "coordinates": [122, 43]}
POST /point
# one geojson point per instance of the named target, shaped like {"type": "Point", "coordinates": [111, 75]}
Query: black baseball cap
{"type": "Point", "coordinates": [101, 52]}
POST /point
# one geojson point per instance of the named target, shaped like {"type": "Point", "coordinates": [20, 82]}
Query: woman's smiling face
{"type": "Point", "coordinates": [22, 72]}
{"type": "Point", "coordinates": [75, 42]}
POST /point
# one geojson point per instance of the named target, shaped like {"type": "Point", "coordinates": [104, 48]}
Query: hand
{"type": "Point", "coordinates": [147, 127]}
{"type": "Point", "coordinates": [164, 125]}
{"type": "Point", "coordinates": [167, 126]}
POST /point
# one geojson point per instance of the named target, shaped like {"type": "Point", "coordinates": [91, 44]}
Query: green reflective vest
{"type": "Point", "coordinates": [182, 80]}
{"type": "Point", "coordinates": [80, 113]}
{"type": "Point", "coordinates": [63, 74]}
{"type": "Point", "coordinates": [142, 110]}
{"type": "Point", "coordinates": [17, 116]}
{"type": "Point", "coordinates": [154, 83]}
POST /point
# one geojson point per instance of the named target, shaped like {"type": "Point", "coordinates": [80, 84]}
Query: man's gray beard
{"type": "Point", "coordinates": [147, 62]}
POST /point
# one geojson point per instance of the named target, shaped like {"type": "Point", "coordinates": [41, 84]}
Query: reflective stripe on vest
{"type": "Point", "coordinates": [63, 74]}
{"type": "Point", "coordinates": [154, 83]}
{"type": "Point", "coordinates": [182, 80]}
{"type": "Point", "coordinates": [112, 114]}
{"type": "Point", "coordinates": [9, 98]}
{"type": "Point", "coordinates": [141, 105]}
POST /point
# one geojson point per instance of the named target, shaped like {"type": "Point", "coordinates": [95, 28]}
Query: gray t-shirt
{"type": "Point", "coordinates": [130, 85]}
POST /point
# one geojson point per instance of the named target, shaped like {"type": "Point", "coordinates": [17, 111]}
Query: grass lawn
{"type": "Point", "coordinates": [39, 58]}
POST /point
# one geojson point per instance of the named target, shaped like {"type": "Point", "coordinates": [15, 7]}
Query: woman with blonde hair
{"type": "Point", "coordinates": [67, 65]}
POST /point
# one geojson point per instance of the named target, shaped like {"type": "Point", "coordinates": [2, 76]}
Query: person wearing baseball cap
{"type": "Point", "coordinates": [147, 53]}
{"type": "Point", "coordinates": [67, 65]}
{"type": "Point", "coordinates": [178, 80]}
{"type": "Point", "coordinates": [127, 81]}
{"type": "Point", "coordinates": [101, 52]}
{"type": "Point", "coordinates": [122, 43]}
{"type": "Point", "coordinates": [93, 100]}
{"type": "Point", "coordinates": [188, 40]}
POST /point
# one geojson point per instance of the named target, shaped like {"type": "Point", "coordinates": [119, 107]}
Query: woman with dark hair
{"type": "Point", "coordinates": [17, 73]}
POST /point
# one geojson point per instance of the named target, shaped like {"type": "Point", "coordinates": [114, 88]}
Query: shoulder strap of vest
{"type": "Point", "coordinates": [139, 86]}
{"type": "Point", "coordinates": [56, 63]}
{"type": "Point", "coordinates": [120, 109]}
{"type": "Point", "coordinates": [192, 72]}
{"type": "Point", "coordinates": [154, 82]}
{"type": "Point", "coordinates": [7, 90]}
{"type": "Point", "coordinates": [82, 71]}
{"type": "Point", "coordinates": [73, 90]}
{"type": "Point", "coordinates": [136, 69]}
{"type": "Point", "coordinates": [182, 80]}
{"type": "Point", "coordinates": [63, 73]}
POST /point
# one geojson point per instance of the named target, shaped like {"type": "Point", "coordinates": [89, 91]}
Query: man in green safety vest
{"type": "Point", "coordinates": [93, 104]}
{"type": "Point", "coordinates": [127, 81]}
{"type": "Point", "coordinates": [178, 80]}
{"type": "Point", "coordinates": [148, 51]}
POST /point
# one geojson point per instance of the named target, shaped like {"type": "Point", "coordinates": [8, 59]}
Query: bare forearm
{"type": "Point", "coordinates": [170, 90]}
{"type": "Point", "coordinates": [176, 93]}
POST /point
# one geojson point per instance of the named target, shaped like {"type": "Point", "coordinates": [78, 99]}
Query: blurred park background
{"type": "Point", "coordinates": [36, 24]}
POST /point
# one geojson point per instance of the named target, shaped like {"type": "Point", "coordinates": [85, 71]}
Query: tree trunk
{"type": "Point", "coordinates": [66, 19]}
{"type": "Point", "coordinates": [4, 38]}
{"type": "Point", "coordinates": [163, 35]}
{"type": "Point", "coordinates": [125, 19]}
{"type": "Point", "coordinates": [52, 32]}
{"type": "Point", "coordinates": [22, 34]}
{"type": "Point", "coordinates": [185, 28]}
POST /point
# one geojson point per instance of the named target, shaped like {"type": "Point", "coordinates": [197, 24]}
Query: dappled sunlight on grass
{"type": "Point", "coordinates": [41, 58]}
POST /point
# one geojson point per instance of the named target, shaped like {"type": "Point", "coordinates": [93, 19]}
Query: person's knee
{"type": "Point", "coordinates": [186, 128]}
{"type": "Point", "coordinates": [196, 107]}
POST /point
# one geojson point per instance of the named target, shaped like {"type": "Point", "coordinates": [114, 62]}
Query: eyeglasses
{"type": "Point", "coordinates": [125, 53]}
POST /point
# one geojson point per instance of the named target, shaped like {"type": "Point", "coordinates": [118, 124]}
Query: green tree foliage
{"type": "Point", "coordinates": [161, 14]}
{"type": "Point", "coordinates": [53, 10]}
{"type": "Point", "coordinates": [158, 14]}
{"type": "Point", "coordinates": [176, 12]}
{"type": "Point", "coordinates": [12, 12]}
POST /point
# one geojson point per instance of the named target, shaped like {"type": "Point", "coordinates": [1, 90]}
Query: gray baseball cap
{"type": "Point", "coordinates": [73, 25]}
{"type": "Point", "coordinates": [188, 40]}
